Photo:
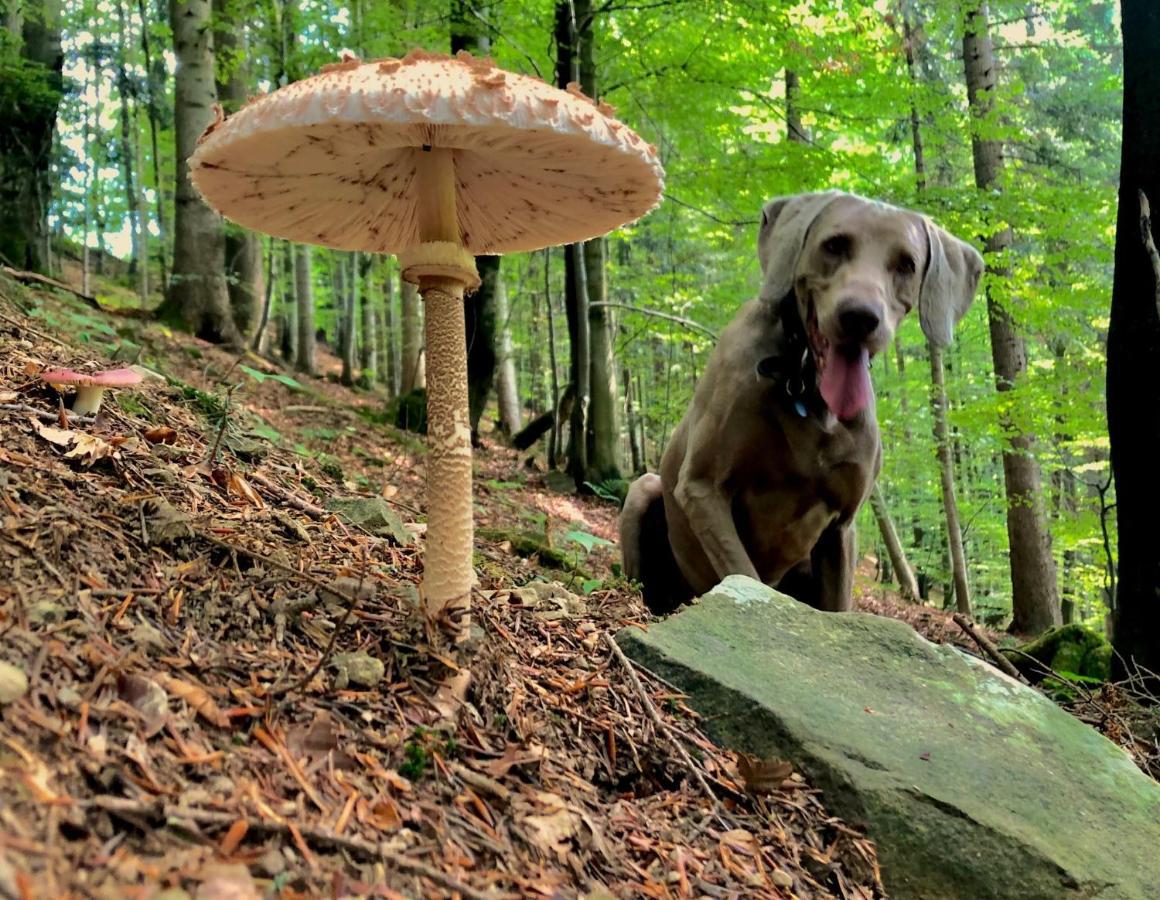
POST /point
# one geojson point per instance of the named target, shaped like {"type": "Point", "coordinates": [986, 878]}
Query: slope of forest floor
{"type": "Point", "coordinates": [171, 587]}
{"type": "Point", "coordinates": [229, 688]}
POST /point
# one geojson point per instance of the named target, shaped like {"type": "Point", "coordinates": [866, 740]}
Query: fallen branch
{"type": "Point", "coordinates": [315, 512]}
{"type": "Point", "coordinates": [45, 415]}
{"type": "Point", "coordinates": [40, 334]}
{"type": "Point", "coordinates": [366, 849]}
{"type": "Point", "coordinates": [656, 314]}
{"type": "Point", "coordinates": [988, 647]}
{"type": "Point", "coordinates": [21, 275]}
{"type": "Point", "coordinates": [660, 723]}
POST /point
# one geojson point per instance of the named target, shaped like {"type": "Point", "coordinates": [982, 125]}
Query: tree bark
{"type": "Point", "coordinates": [368, 359]}
{"type": "Point", "coordinates": [413, 363]}
{"type": "Point", "coordinates": [907, 585]}
{"type": "Point", "coordinates": [304, 309]}
{"type": "Point", "coordinates": [1134, 351]}
{"type": "Point", "coordinates": [349, 316]}
{"type": "Point", "coordinates": [1035, 596]}
{"type": "Point", "coordinates": [942, 438]}
{"type": "Point", "coordinates": [139, 263]}
{"type": "Point", "coordinates": [794, 131]}
{"type": "Point", "coordinates": [26, 138]}
{"type": "Point", "coordinates": [572, 17]}
{"type": "Point", "coordinates": [631, 416]}
{"type": "Point", "coordinates": [155, 75]}
{"type": "Point", "coordinates": [198, 293]}
{"type": "Point", "coordinates": [243, 247]}
{"type": "Point", "coordinates": [507, 388]}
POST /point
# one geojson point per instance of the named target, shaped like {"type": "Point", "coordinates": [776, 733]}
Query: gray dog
{"type": "Point", "coordinates": [780, 447]}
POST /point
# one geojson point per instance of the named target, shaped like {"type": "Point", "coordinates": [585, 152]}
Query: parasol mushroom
{"type": "Point", "coordinates": [91, 386]}
{"type": "Point", "coordinates": [435, 159]}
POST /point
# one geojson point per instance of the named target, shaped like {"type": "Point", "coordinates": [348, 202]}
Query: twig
{"type": "Point", "coordinates": [315, 512]}
{"type": "Point", "coordinates": [351, 604]}
{"type": "Point", "coordinates": [1150, 244]}
{"type": "Point", "coordinates": [364, 848]}
{"type": "Point", "coordinates": [679, 320]}
{"type": "Point", "coordinates": [988, 647]}
{"type": "Point", "coordinates": [221, 429]}
{"type": "Point", "coordinates": [40, 334]}
{"type": "Point", "coordinates": [660, 724]}
{"type": "Point", "coordinates": [44, 415]}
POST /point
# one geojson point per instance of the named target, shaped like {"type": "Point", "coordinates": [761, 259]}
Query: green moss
{"type": "Point", "coordinates": [1070, 650]}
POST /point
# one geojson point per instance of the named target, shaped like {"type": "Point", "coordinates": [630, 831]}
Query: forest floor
{"type": "Point", "coordinates": [224, 688]}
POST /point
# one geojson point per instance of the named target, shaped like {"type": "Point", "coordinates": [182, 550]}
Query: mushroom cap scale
{"type": "Point", "coordinates": [331, 160]}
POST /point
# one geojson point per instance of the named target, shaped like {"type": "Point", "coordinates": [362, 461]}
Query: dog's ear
{"type": "Point", "coordinates": [949, 285]}
{"type": "Point", "coordinates": [784, 224]}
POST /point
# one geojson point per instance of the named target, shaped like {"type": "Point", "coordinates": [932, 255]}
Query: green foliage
{"type": "Point", "coordinates": [290, 382]}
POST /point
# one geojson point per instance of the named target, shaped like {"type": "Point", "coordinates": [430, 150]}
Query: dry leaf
{"type": "Point", "coordinates": [552, 831]}
{"type": "Point", "coordinates": [383, 814]}
{"type": "Point", "coordinates": [8, 396]}
{"type": "Point", "coordinates": [89, 448]}
{"type": "Point", "coordinates": [164, 522]}
{"type": "Point", "coordinates": [148, 698]}
{"type": "Point", "coordinates": [762, 775]}
{"type": "Point", "coordinates": [227, 882]}
{"type": "Point", "coordinates": [62, 437]}
{"type": "Point", "coordinates": [236, 484]}
{"type": "Point", "coordinates": [197, 697]}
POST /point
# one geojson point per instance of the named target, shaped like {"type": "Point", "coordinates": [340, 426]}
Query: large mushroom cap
{"type": "Point", "coordinates": [331, 160]}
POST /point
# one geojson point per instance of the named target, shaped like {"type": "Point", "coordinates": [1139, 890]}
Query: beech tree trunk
{"type": "Point", "coordinates": [942, 437]}
{"type": "Point", "coordinates": [26, 139]}
{"type": "Point", "coordinates": [243, 248]}
{"type": "Point", "coordinates": [368, 360]}
{"type": "Point", "coordinates": [197, 293]}
{"type": "Point", "coordinates": [907, 585]}
{"type": "Point", "coordinates": [1035, 595]}
{"type": "Point", "coordinates": [304, 309]}
{"type": "Point", "coordinates": [155, 76]}
{"type": "Point", "coordinates": [349, 262]}
{"type": "Point", "coordinates": [139, 263]}
{"type": "Point", "coordinates": [414, 372]}
{"type": "Point", "coordinates": [1134, 352]}
{"type": "Point", "coordinates": [507, 387]}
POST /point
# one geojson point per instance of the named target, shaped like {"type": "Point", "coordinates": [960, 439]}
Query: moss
{"type": "Point", "coordinates": [409, 411]}
{"type": "Point", "coordinates": [1068, 650]}
{"type": "Point", "coordinates": [533, 546]}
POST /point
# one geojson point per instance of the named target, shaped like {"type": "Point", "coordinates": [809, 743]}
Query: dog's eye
{"type": "Point", "coordinates": [905, 264]}
{"type": "Point", "coordinates": [838, 245]}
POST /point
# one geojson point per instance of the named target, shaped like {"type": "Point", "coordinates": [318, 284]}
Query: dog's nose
{"type": "Point", "coordinates": [858, 321]}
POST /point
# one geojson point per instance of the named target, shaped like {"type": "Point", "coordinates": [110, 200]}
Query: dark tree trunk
{"type": "Point", "coordinates": [243, 248]}
{"type": "Point", "coordinates": [156, 74]}
{"type": "Point", "coordinates": [1134, 350]}
{"type": "Point", "coordinates": [26, 138]}
{"type": "Point", "coordinates": [479, 310]}
{"type": "Point", "coordinates": [1034, 596]}
{"type": "Point", "coordinates": [570, 16]}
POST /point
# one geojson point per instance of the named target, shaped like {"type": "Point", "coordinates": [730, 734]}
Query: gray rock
{"type": "Point", "coordinates": [373, 514]}
{"type": "Point", "coordinates": [971, 784]}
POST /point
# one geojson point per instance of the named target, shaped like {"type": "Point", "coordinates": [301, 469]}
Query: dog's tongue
{"type": "Point", "coordinates": [846, 382]}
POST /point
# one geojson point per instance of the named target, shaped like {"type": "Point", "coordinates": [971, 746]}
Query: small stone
{"type": "Point", "coordinates": [45, 612]}
{"type": "Point", "coordinates": [13, 683]}
{"type": "Point", "coordinates": [781, 879]}
{"type": "Point", "coordinates": [359, 668]}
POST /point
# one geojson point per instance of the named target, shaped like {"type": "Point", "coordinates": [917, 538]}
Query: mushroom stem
{"type": "Point", "coordinates": [88, 399]}
{"type": "Point", "coordinates": [438, 215]}
{"type": "Point", "coordinates": [447, 569]}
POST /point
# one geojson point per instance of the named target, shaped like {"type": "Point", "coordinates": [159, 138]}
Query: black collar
{"type": "Point", "coordinates": [789, 362]}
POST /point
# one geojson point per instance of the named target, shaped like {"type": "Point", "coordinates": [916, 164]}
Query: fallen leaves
{"type": "Point", "coordinates": [83, 447]}
{"type": "Point", "coordinates": [13, 682]}
{"type": "Point", "coordinates": [762, 776]}
{"type": "Point", "coordinates": [198, 699]}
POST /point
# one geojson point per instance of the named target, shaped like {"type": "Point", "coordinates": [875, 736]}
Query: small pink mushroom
{"type": "Point", "coordinates": [91, 386]}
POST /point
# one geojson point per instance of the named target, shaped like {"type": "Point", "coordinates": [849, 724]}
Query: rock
{"type": "Point", "coordinates": [13, 683]}
{"type": "Point", "coordinates": [373, 514]}
{"type": "Point", "coordinates": [359, 668]}
{"type": "Point", "coordinates": [1069, 650]}
{"type": "Point", "coordinates": [971, 784]}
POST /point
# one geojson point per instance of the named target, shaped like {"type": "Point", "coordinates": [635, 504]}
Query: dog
{"type": "Point", "coordinates": [766, 472]}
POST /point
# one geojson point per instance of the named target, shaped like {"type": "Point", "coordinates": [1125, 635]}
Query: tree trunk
{"type": "Point", "coordinates": [198, 293]}
{"type": "Point", "coordinates": [507, 388]}
{"type": "Point", "coordinates": [243, 247]}
{"type": "Point", "coordinates": [26, 138]}
{"type": "Point", "coordinates": [942, 438]}
{"type": "Point", "coordinates": [479, 323]}
{"type": "Point", "coordinates": [304, 309]}
{"type": "Point", "coordinates": [368, 359]}
{"type": "Point", "coordinates": [634, 448]}
{"type": "Point", "coordinates": [479, 315]}
{"type": "Point", "coordinates": [572, 18]}
{"type": "Point", "coordinates": [1035, 597]}
{"type": "Point", "coordinates": [413, 364]}
{"type": "Point", "coordinates": [139, 263]}
{"type": "Point", "coordinates": [794, 131]}
{"type": "Point", "coordinates": [349, 261]}
{"type": "Point", "coordinates": [553, 363]}
{"type": "Point", "coordinates": [907, 585]}
{"type": "Point", "coordinates": [260, 339]}
{"type": "Point", "coordinates": [1134, 351]}
{"type": "Point", "coordinates": [155, 74]}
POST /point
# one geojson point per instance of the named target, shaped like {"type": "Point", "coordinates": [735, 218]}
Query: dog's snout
{"type": "Point", "coordinates": [858, 321]}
